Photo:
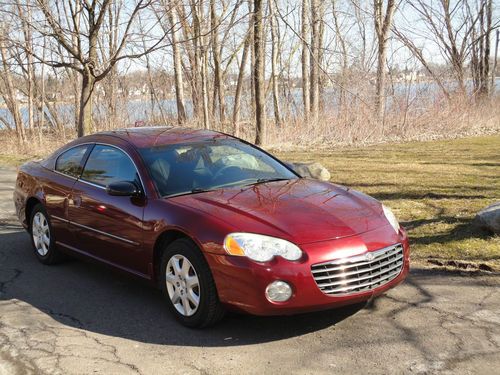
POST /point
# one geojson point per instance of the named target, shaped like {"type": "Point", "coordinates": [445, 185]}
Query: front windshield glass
{"type": "Point", "coordinates": [194, 167]}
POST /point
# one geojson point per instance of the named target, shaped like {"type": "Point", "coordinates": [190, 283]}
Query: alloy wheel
{"type": "Point", "coordinates": [183, 286]}
{"type": "Point", "coordinates": [41, 233]}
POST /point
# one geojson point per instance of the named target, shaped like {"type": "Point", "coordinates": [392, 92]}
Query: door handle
{"type": "Point", "coordinates": [77, 201]}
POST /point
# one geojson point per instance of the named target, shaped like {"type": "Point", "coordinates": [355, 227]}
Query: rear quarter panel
{"type": "Point", "coordinates": [27, 186]}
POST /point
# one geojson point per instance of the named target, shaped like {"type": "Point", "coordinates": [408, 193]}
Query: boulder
{"type": "Point", "coordinates": [489, 218]}
{"type": "Point", "coordinates": [312, 170]}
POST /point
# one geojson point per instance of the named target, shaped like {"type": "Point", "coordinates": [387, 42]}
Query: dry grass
{"type": "Point", "coordinates": [357, 126]}
{"type": "Point", "coordinates": [354, 125]}
{"type": "Point", "coordinates": [11, 153]}
{"type": "Point", "coordinates": [435, 188]}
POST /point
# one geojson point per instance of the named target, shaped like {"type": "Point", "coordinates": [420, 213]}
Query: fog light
{"type": "Point", "coordinates": [278, 291]}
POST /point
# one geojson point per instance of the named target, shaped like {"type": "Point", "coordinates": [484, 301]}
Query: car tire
{"type": "Point", "coordinates": [42, 237]}
{"type": "Point", "coordinates": [188, 286]}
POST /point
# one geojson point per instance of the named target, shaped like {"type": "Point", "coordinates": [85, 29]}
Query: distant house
{"type": "Point", "coordinates": [410, 76]}
{"type": "Point", "coordinates": [20, 97]}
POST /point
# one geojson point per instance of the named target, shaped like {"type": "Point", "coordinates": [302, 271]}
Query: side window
{"type": "Point", "coordinates": [107, 164]}
{"type": "Point", "coordinates": [70, 162]}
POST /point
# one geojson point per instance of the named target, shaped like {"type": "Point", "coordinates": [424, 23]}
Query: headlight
{"type": "Point", "coordinates": [259, 247]}
{"type": "Point", "coordinates": [391, 218]}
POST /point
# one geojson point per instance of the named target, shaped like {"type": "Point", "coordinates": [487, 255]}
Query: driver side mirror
{"type": "Point", "coordinates": [123, 189]}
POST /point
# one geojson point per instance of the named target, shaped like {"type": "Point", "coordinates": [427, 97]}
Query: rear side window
{"type": "Point", "coordinates": [70, 162]}
{"type": "Point", "coordinates": [107, 164]}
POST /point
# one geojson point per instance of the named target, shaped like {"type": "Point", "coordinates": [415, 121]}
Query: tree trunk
{"type": "Point", "coordinates": [204, 87]}
{"type": "Point", "coordinates": [239, 85]}
{"type": "Point", "coordinates": [274, 63]}
{"type": "Point", "coordinates": [252, 63]}
{"type": "Point", "coordinates": [42, 98]}
{"type": "Point", "coordinates": [85, 115]}
{"type": "Point", "coordinates": [485, 71]}
{"type": "Point", "coordinates": [322, 77]}
{"type": "Point", "coordinates": [218, 81]}
{"type": "Point", "coordinates": [383, 25]}
{"type": "Point", "coordinates": [305, 58]}
{"type": "Point", "coordinates": [196, 61]}
{"type": "Point", "coordinates": [495, 57]}
{"type": "Point", "coordinates": [456, 56]}
{"type": "Point", "coordinates": [26, 25]}
{"type": "Point", "coordinates": [258, 75]}
{"type": "Point", "coordinates": [315, 47]}
{"type": "Point", "coordinates": [344, 57]}
{"type": "Point", "coordinates": [10, 96]}
{"type": "Point", "coordinates": [380, 81]}
{"type": "Point", "coordinates": [179, 83]}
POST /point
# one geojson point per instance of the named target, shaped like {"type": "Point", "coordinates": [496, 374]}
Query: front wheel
{"type": "Point", "coordinates": [188, 285]}
{"type": "Point", "coordinates": [42, 237]}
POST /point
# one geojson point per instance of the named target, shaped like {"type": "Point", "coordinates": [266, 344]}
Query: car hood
{"type": "Point", "coordinates": [300, 210]}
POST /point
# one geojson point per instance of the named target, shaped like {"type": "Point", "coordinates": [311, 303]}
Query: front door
{"type": "Point", "coordinates": [58, 189]}
{"type": "Point", "coordinates": [109, 227]}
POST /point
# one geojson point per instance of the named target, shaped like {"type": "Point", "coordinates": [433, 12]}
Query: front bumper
{"type": "Point", "coordinates": [241, 283]}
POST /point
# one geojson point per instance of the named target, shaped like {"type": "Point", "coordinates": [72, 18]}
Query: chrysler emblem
{"type": "Point", "coordinates": [369, 256]}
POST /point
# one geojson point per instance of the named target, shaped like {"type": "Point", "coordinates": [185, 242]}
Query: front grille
{"type": "Point", "coordinates": [359, 273]}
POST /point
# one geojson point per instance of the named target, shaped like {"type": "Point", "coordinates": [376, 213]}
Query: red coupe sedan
{"type": "Point", "coordinates": [215, 222]}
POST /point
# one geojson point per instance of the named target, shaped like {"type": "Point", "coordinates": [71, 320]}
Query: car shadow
{"type": "Point", "coordinates": [90, 297]}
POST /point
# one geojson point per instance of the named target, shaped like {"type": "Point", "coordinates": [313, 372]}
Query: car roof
{"type": "Point", "coordinates": [153, 136]}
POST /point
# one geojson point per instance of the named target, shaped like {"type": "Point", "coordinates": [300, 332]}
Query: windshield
{"type": "Point", "coordinates": [195, 167]}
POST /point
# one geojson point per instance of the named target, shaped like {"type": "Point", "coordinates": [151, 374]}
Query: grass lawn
{"type": "Point", "coordinates": [435, 188]}
{"type": "Point", "coordinates": [14, 160]}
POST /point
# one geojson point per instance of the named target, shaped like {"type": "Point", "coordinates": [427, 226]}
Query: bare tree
{"type": "Point", "coordinates": [74, 29]}
{"type": "Point", "coordinates": [343, 55]}
{"type": "Point", "coordinates": [179, 81]}
{"type": "Point", "coordinates": [274, 62]}
{"type": "Point", "coordinates": [30, 71]}
{"type": "Point", "coordinates": [239, 83]}
{"type": "Point", "coordinates": [258, 73]}
{"type": "Point", "coordinates": [495, 58]}
{"type": "Point", "coordinates": [480, 51]}
{"type": "Point", "coordinates": [305, 58]}
{"type": "Point", "coordinates": [383, 22]}
{"type": "Point", "coordinates": [315, 49]}
{"type": "Point", "coordinates": [216, 53]}
{"type": "Point", "coordinates": [9, 94]}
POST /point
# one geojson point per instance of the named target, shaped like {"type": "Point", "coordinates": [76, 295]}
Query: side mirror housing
{"type": "Point", "coordinates": [123, 189]}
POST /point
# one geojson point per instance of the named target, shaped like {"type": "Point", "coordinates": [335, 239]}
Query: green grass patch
{"type": "Point", "coordinates": [14, 160]}
{"type": "Point", "coordinates": [435, 188]}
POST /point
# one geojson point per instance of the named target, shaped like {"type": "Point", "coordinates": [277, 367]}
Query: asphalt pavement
{"type": "Point", "coordinates": [81, 318]}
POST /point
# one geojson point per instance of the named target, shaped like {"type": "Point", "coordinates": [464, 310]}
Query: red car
{"type": "Point", "coordinates": [215, 222]}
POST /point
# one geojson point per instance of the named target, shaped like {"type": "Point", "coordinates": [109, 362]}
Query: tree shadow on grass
{"type": "Point", "coordinates": [466, 230]}
{"type": "Point", "coordinates": [364, 184]}
{"type": "Point", "coordinates": [423, 195]}
{"type": "Point", "coordinates": [486, 164]}
{"type": "Point", "coordinates": [414, 224]}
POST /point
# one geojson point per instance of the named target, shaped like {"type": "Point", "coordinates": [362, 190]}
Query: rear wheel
{"type": "Point", "coordinates": [42, 236]}
{"type": "Point", "coordinates": [187, 283]}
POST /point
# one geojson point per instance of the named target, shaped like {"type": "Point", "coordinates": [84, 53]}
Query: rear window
{"type": "Point", "coordinates": [70, 161]}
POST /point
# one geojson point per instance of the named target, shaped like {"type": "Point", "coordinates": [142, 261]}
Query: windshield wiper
{"type": "Point", "coordinates": [200, 190]}
{"type": "Point", "coordinates": [192, 191]}
{"type": "Point", "coordinates": [264, 180]}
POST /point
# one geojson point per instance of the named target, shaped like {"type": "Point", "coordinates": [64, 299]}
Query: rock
{"type": "Point", "coordinates": [313, 170]}
{"type": "Point", "coordinates": [489, 218]}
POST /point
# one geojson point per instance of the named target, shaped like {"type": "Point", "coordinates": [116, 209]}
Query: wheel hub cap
{"type": "Point", "coordinates": [182, 285]}
{"type": "Point", "coordinates": [41, 233]}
